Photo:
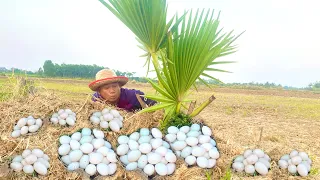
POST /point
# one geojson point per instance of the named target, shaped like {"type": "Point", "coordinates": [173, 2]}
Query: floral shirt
{"type": "Point", "coordinates": [128, 99]}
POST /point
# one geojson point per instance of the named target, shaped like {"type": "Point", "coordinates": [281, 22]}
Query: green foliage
{"type": "Point", "coordinates": [227, 175]}
{"type": "Point", "coordinates": [178, 120]}
{"type": "Point", "coordinates": [49, 68]}
{"type": "Point", "coordinates": [209, 174]}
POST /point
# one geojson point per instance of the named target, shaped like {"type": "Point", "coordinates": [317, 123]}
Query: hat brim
{"type": "Point", "coordinates": [94, 86]}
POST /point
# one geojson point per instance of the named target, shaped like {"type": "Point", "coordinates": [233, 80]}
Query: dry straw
{"type": "Point", "coordinates": [43, 105]}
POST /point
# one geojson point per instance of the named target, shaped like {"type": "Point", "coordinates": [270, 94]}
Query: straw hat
{"type": "Point", "coordinates": [107, 76]}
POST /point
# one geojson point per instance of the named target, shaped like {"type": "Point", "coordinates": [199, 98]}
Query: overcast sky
{"type": "Point", "coordinates": [281, 42]}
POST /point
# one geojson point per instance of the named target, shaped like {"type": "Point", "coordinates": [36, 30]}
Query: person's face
{"type": "Point", "coordinates": [110, 92]}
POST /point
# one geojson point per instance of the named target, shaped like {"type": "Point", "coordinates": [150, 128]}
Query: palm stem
{"type": "Point", "coordinates": [202, 106]}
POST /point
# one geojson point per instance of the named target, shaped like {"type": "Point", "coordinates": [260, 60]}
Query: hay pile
{"type": "Point", "coordinates": [42, 106]}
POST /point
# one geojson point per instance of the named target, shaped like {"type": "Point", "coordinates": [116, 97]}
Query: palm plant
{"type": "Point", "coordinates": [182, 51]}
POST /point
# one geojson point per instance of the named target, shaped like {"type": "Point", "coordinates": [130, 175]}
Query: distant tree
{"type": "Point", "coordinates": [49, 68]}
{"type": "Point", "coordinates": [40, 71]}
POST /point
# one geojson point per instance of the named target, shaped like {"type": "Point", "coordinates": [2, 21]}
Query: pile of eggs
{"type": "Point", "coordinates": [64, 117]}
{"type": "Point", "coordinates": [296, 162]}
{"type": "Point", "coordinates": [89, 151]}
{"type": "Point", "coordinates": [194, 145]}
{"type": "Point", "coordinates": [30, 161]}
{"type": "Point", "coordinates": [107, 118]}
{"type": "Point", "coordinates": [252, 161]}
{"type": "Point", "coordinates": [147, 151]}
{"type": "Point", "coordinates": [25, 126]}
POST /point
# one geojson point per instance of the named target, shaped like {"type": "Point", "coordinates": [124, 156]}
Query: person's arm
{"type": "Point", "coordinates": [148, 102]}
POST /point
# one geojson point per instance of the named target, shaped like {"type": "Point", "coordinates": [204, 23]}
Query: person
{"type": "Point", "coordinates": [108, 88]}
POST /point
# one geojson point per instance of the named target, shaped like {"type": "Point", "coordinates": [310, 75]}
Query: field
{"type": "Point", "coordinates": [286, 120]}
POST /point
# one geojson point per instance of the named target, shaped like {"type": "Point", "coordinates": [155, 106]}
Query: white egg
{"type": "Point", "coordinates": [294, 153]}
{"type": "Point", "coordinates": [15, 133]}
{"type": "Point", "coordinates": [74, 144]}
{"type": "Point", "coordinates": [285, 157]}
{"type": "Point", "coordinates": [303, 155]}
{"type": "Point", "coordinates": [171, 167]}
{"type": "Point", "coordinates": [207, 146]}
{"type": "Point", "coordinates": [86, 132]}
{"type": "Point", "coordinates": [98, 133]}
{"type": "Point", "coordinates": [28, 169]}
{"type": "Point", "coordinates": [190, 160]}
{"type": "Point", "coordinates": [98, 143]}
{"type": "Point", "coordinates": [135, 136]}
{"type": "Point", "coordinates": [95, 120]}
{"type": "Point", "coordinates": [245, 162]}
{"type": "Point", "coordinates": [95, 158]}
{"type": "Point", "coordinates": [302, 170]}
{"type": "Point", "coordinates": [115, 113]}
{"type": "Point", "coordinates": [178, 153]}
{"type": "Point", "coordinates": [185, 129]}
{"type": "Point", "coordinates": [86, 139]}
{"type": "Point", "coordinates": [62, 122]}
{"type": "Point", "coordinates": [39, 122]}
{"type": "Point", "coordinates": [292, 169]}
{"type": "Point", "coordinates": [31, 122]}
{"type": "Point", "coordinates": [144, 139]}
{"type": "Point", "coordinates": [181, 136]}
{"type": "Point", "coordinates": [143, 161]}
{"type": "Point", "coordinates": [16, 166]}
{"type": "Point", "coordinates": [70, 121]}
{"type": "Point", "coordinates": [145, 148]}
{"type": "Point", "coordinates": [283, 164]}
{"type": "Point", "coordinates": [112, 157]}
{"type": "Point", "coordinates": [38, 152]}
{"type": "Point", "coordinates": [122, 149]}
{"type": "Point", "coordinates": [86, 148]}
{"type": "Point", "coordinates": [64, 139]}
{"type": "Point", "coordinates": [252, 159]}
{"type": "Point", "coordinates": [307, 165]}
{"type": "Point", "coordinates": [40, 168]}
{"type": "Point", "coordinates": [17, 158]}
{"type": "Point", "coordinates": [213, 142]}
{"type": "Point", "coordinates": [186, 151]}
{"type": "Point", "coordinates": [54, 120]}
{"type": "Point", "coordinates": [31, 158]}
{"type": "Point", "coordinates": [165, 144]}
{"type": "Point", "coordinates": [161, 169]}
{"type": "Point", "coordinates": [24, 130]}
{"type": "Point", "coordinates": [249, 169]}
{"type": "Point", "coordinates": [198, 151]}
{"type": "Point", "coordinates": [213, 153]}
{"type": "Point", "coordinates": [134, 155]}
{"type": "Point", "coordinates": [124, 159]}
{"type": "Point", "coordinates": [179, 145]}
{"type": "Point", "coordinates": [105, 111]}
{"type": "Point", "coordinates": [97, 114]}
{"type": "Point", "coordinates": [156, 133]}
{"type": "Point", "coordinates": [75, 155]}
{"type": "Point", "coordinates": [195, 127]}
{"type": "Point", "coordinates": [68, 111]}
{"type": "Point", "coordinates": [173, 130]}
{"type": "Point", "coordinates": [265, 162]}
{"type": "Point", "coordinates": [91, 169]}
{"type": "Point", "coordinates": [73, 166]}
{"type": "Point", "coordinates": [261, 168]}
{"type": "Point", "coordinates": [112, 168]}
{"type": "Point", "coordinates": [161, 150]}
{"type": "Point", "coordinates": [206, 155]}
{"type": "Point", "coordinates": [266, 156]}
{"type": "Point", "coordinates": [259, 153]}
{"type": "Point", "coordinates": [144, 132]}
{"type": "Point", "coordinates": [202, 162]}
{"type": "Point", "coordinates": [154, 158]}
{"type": "Point", "coordinates": [296, 160]}
{"type": "Point", "coordinates": [239, 158]}
{"type": "Point", "coordinates": [44, 162]}
{"type": "Point", "coordinates": [105, 160]}
{"type": "Point", "coordinates": [22, 122]}
{"type": "Point", "coordinates": [16, 127]}
{"type": "Point", "coordinates": [156, 143]}
{"type": "Point", "coordinates": [123, 139]}
{"type": "Point", "coordinates": [132, 166]}
{"type": "Point", "coordinates": [247, 153]}
{"type": "Point", "coordinates": [64, 115]}
{"type": "Point", "coordinates": [66, 159]}
{"type": "Point", "coordinates": [33, 128]}
{"type": "Point", "coordinates": [133, 145]}
{"type": "Point", "coordinates": [211, 163]}
{"type": "Point", "coordinates": [26, 153]}
{"type": "Point", "coordinates": [84, 161]}
{"type": "Point", "coordinates": [107, 117]}
{"type": "Point", "coordinates": [103, 150]}
{"type": "Point", "coordinates": [171, 137]}
{"type": "Point", "coordinates": [204, 139]}
{"type": "Point", "coordinates": [103, 169]}
{"type": "Point", "coordinates": [107, 144]}
{"type": "Point", "coordinates": [206, 131]}
{"type": "Point", "coordinates": [170, 157]}
{"type": "Point", "coordinates": [193, 133]}
{"type": "Point", "coordinates": [104, 124]}
{"type": "Point", "coordinates": [114, 126]}
{"type": "Point", "coordinates": [76, 136]}
{"type": "Point", "coordinates": [149, 169]}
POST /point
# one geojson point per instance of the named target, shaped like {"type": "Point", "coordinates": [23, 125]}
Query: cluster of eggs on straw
{"type": "Point", "coordinates": [26, 125]}
{"type": "Point", "coordinates": [296, 162]}
{"type": "Point", "coordinates": [108, 118]}
{"type": "Point", "coordinates": [64, 117]}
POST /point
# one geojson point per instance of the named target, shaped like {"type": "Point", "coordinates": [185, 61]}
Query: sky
{"type": "Point", "coordinates": [280, 43]}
